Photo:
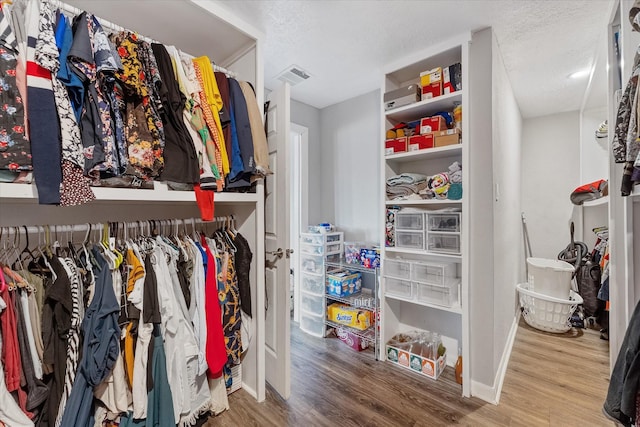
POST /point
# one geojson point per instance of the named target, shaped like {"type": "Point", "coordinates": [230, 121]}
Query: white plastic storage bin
{"type": "Point", "coordinates": [333, 248]}
{"type": "Point", "coordinates": [444, 222]}
{"type": "Point", "coordinates": [312, 263]}
{"type": "Point", "coordinates": [444, 243]}
{"type": "Point", "coordinates": [313, 304]}
{"type": "Point", "coordinates": [550, 277]}
{"type": "Point", "coordinates": [312, 238]}
{"type": "Point", "coordinates": [397, 268]}
{"type": "Point", "coordinates": [321, 238]}
{"type": "Point", "coordinates": [432, 273]}
{"type": "Point", "coordinates": [336, 236]}
{"type": "Point", "coordinates": [446, 295]}
{"type": "Point", "coordinates": [410, 221]}
{"type": "Point", "coordinates": [312, 283]}
{"type": "Point", "coordinates": [313, 325]}
{"type": "Point", "coordinates": [398, 287]}
{"type": "Point", "coordinates": [312, 249]}
{"type": "Point", "coordinates": [410, 239]}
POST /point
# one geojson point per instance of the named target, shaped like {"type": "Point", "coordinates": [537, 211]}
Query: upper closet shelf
{"type": "Point", "coordinates": [426, 154]}
{"type": "Point", "coordinates": [160, 194]}
{"type": "Point", "coordinates": [597, 202]}
{"type": "Point", "coordinates": [425, 108]}
{"type": "Point", "coordinates": [424, 202]}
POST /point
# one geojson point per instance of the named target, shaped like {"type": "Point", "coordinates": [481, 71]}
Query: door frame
{"type": "Point", "coordinates": [299, 206]}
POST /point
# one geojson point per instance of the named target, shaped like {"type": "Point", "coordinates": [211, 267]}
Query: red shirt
{"type": "Point", "coordinates": [216, 352]}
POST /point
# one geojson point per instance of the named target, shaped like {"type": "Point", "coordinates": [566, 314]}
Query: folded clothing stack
{"type": "Point", "coordinates": [414, 186]}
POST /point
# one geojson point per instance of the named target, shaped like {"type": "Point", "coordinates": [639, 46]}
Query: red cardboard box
{"type": "Point", "coordinates": [351, 339]}
{"type": "Point", "coordinates": [397, 145]}
{"type": "Point", "coordinates": [432, 90]}
{"type": "Point", "coordinates": [432, 124]}
{"type": "Point", "coordinates": [446, 137]}
{"type": "Point", "coordinates": [420, 142]}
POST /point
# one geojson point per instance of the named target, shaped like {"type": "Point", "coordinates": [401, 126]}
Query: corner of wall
{"type": "Point", "coordinates": [491, 394]}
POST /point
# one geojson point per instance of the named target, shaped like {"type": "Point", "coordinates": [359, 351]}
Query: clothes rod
{"type": "Point", "coordinates": [103, 22]}
{"type": "Point", "coordinates": [114, 27]}
{"type": "Point", "coordinates": [35, 229]}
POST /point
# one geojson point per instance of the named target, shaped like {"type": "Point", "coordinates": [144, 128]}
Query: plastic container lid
{"type": "Point", "coordinates": [552, 264]}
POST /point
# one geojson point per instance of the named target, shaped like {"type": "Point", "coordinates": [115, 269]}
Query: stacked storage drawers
{"type": "Point", "coordinates": [315, 249]}
{"type": "Point", "coordinates": [428, 282]}
{"type": "Point", "coordinates": [436, 232]}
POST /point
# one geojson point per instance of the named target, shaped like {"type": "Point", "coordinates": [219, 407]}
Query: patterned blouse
{"type": "Point", "coordinates": [15, 149]}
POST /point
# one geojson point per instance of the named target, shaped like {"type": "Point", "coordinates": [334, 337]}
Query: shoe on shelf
{"type": "Point", "coordinates": [603, 130]}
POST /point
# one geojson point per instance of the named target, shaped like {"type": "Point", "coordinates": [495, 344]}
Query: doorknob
{"type": "Point", "coordinates": [289, 252]}
{"type": "Point", "coordinates": [279, 253]}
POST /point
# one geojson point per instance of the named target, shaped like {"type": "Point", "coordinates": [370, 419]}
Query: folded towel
{"type": "Point", "coordinates": [406, 178]}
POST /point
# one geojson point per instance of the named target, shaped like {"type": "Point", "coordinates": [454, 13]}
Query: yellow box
{"type": "Point", "coordinates": [349, 316]}
{"type": "Point", "coordinates": [431, 76]}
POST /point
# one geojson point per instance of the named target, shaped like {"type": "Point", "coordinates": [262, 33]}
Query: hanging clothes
{"type": "Point", "coordinates": [624, 385]}
{"type": "Point", "coordinates": [10, 412]}
{"type": "Point", "coordinates": [101, 341]}
{"type": "Point", "coordinates": [44, 132]}
{"type": "Point", "coordinates": [259, 137]}
{"type": "Point", "coordinates": [15, 149]}
{"type": "Point", "coordinates": [181, 161]}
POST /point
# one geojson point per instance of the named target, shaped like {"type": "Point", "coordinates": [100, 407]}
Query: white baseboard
{"type": "Point", "coordinates": [491, 394]}
{"type": "Point", "coordinates": [504, 362]}
{"type": "Point", "coordinates": [484, 392]}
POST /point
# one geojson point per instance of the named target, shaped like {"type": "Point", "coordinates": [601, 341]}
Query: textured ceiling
{"type": "Point", "coordinates": [345, 44]}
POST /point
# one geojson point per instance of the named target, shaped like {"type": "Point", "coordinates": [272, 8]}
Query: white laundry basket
{"type": "Point", "coordinates": [547, 313]}
{"type": "Point", "coordinates": [550, 277]}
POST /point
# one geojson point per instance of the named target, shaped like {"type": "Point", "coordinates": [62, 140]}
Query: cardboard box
{"type": "Point", "coordinates": [432, 124]}
{"type": "Point", "coordinates": [370, 257]}
{"type": "Point", "coordinates": [416, 363]}
{"type": "Point", "coordinates": [397, 145]}
{"type": "Point", "coordinates": [351, 339]}
{"type": "Point", "coordinates": [421, 142]}
{"type": "Point", "coordinates": [431, 91]}
{"type": "Point", "coordinates": [400, 97]}
{"type": "Point", "coordinates": [432, 76]}
{"type": "Point", "coordinates": [452, 78]}
{"type": "Point", "coordinates": [349, 316]}
{"type": "Point", "coordinates": [342, 283]}
{"type": "Point", "coordinates": [446, 137]}
{"type": "Point", "coordinates": [431, 82]}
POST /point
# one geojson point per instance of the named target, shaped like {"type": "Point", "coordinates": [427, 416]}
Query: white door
{"type": "Point", "coordinates": [277, 324]}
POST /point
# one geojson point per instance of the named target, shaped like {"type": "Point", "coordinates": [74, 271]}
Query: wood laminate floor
{"type": "Point", "coordinates": [552, 380]}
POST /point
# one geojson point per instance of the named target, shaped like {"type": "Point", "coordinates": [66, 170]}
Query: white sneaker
{"type": "Point", "coordinates": [603, 130]}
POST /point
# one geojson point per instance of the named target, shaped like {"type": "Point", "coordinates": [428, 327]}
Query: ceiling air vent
{"type": "Point", "coordinates": [293, 75]}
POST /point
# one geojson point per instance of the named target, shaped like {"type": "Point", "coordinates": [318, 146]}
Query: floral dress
{"type": "Point", "coordinates": [15, 149]}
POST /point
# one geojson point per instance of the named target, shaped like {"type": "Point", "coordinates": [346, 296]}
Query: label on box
{"type": "Point", "coordinates": [416, 363]}
{"type": "Point", "coordinates": [403, 358]}
{"type": "Point", "coordinates": [392, 354]}
{"type": "Point", "coordinates": [428, 368]}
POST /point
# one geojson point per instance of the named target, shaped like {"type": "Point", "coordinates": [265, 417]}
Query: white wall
{"type": "Point", "coordinates": [508, 253]}
{"type": "Point", "coordinates": [480, 167]}
{"type": "Point", "coordinates": [550, 172]}
{"type": "Point", "coordinates": [309, 117]}
{"type": "Point", "coordinates": [594, 152]}
{"type": "Point", "coordinates": [495, 258]}
{"type": "Point", "coordinates": [594, 165]}
{"type": "Point", "coordinates": [350, 166]}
